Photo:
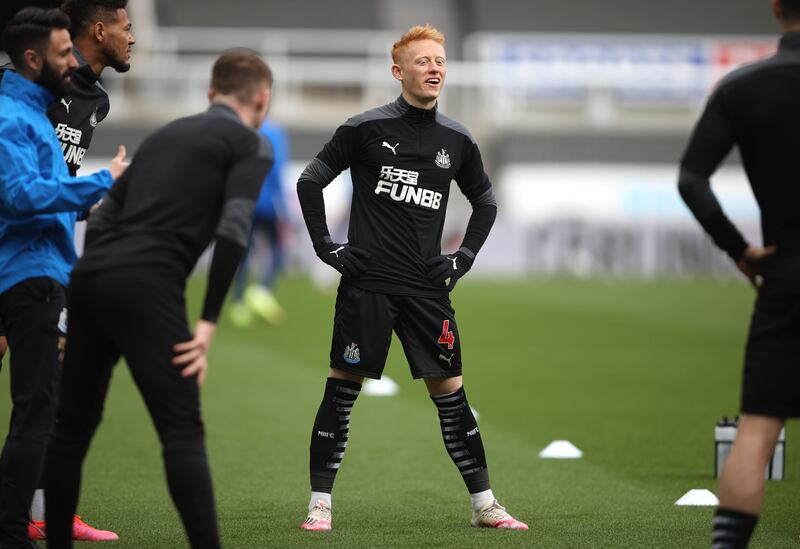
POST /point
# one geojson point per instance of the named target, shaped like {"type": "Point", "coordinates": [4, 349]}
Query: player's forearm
{"type": "Point", "coordinates": [39, 195]}
{"type": "Point", "coordinates": [698, 196]}
{"type": "Point", "coordinates": [484, 212]}
{"type": "Point", "coordinates": [227, 255]}
{"type": "Point", "coordinates": [312, 203]}
{"type": "Point", "coordinates": [232, 234]}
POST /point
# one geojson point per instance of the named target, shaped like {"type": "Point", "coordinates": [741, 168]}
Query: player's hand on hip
{"type": "Point", "coordinates": [118, 164]}
{"type": "Point", "coordinates": [348, 260]}
{"type": "Point", "coordinates": [192, 355]}
{"type": "Point", "coordinates": [751, 263]}
{"type": "Point", "coordinates": [445, 270]}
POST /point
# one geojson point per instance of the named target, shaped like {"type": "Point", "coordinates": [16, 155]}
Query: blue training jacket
{"type": "Point", "coordinates": [271, 203]}
{"type": "Point", "coordinates": [39, 201]}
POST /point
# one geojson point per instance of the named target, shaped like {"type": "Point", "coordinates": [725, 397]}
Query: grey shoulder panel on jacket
{"type": "Point", "coordinates": [390, 110]}
{"type": "Point", "coordinates": [448, 122]}
{"type": "Point", "coordinates": [100, 87]}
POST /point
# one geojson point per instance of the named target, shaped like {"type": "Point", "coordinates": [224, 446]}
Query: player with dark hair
{"type": "Point", "coordinates": [194, 180]}
{"type": "Point", "coordinates": [27, 38]}
{"type": "Point", "coordinates": [39, 203]}
{"type": "Point", "coordinates": [101, 35]}
{"type": "Point", "coordinates": [402, 157]}
{"type": "Point", "coordinates": [756, 109]}
{"type": "Point", "coordinates": [102, 27]}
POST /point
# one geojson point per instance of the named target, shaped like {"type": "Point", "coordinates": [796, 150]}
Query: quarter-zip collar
{"type": "Point", "coordinates": [84, 68]}
{"type": "Point", "coordinates": [415, 113]}
{"type": "Point", "coordinates": [224, 111]}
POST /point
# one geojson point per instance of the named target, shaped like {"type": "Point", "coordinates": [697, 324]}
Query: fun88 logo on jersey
{"type": "Point", "coordinates": [401, 186]}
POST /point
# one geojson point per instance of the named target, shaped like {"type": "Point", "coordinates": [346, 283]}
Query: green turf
{"type": "Point", "coordinates": [634, 373]}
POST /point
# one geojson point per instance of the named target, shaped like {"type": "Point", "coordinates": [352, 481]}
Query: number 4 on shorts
{"type": "Point", "coordinates": [447, 336]}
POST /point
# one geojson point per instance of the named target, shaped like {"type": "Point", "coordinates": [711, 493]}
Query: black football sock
{"type": "Point", "coordinates": [331, 431]}
{"type": "Point", "coordinates": [462, 439]}
{"type": "Point", "coordinates": [732, 529]}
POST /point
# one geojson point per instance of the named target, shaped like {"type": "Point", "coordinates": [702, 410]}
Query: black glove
{"type": "Point", "coordinates": [445, 270]}
{"type": "Point", "coordinates": [347, 259]}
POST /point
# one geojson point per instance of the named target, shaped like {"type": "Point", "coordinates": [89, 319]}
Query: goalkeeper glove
{"type": "Point", "coordinates": [445, 270]}
{"type": "Point", "coordinates": [348, 260]}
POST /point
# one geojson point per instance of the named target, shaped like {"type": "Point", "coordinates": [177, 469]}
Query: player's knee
{"type": "Point", "coordinates": [759, 434]}
{"type": "Point", "coordinates": [33, 417]}
{"type": "Point", "coordinates": [183, 442]}
{"type": "Point", "coordinates": [74, 429]}
{"type": "Point", "coordinates": [336, 373]}
{"type": "Point", "coordinates": [443, 385]}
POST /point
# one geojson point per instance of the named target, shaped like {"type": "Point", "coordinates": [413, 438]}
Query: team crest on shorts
{"type": "Point", "coordinates": [443, 159]}
{"type": "Point", "coordinates": [352, 355]}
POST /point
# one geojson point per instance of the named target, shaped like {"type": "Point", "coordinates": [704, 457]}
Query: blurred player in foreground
{"type": "Point", "coordinates": [194, 180]}
{"type": "Point", "coordinates": [757, 108]}
{"type": "Point", "coordinates": [402, 157]}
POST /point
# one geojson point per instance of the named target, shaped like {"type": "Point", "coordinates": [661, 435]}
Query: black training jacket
{"type": "Point", "coordinates": [402, 160]}
{"type": "Point", "coordinates": [194, 180]}
{"type": "Point", "coordinates": [756, 108]}
{"type": "Point", "coordinates": [76, 115]}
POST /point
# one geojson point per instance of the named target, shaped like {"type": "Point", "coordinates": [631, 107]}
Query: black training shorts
{"type": "Point", "coordinates": [362, 332]}
{"type": "Point", "coordinates": [771, 384]}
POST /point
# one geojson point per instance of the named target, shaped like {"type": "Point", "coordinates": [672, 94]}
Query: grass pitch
{"type": "Point", "coordinates": [633, 373]}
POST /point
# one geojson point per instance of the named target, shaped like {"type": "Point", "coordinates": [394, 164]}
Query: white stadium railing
{"type": "Point", "coordinates": [519, 81]}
